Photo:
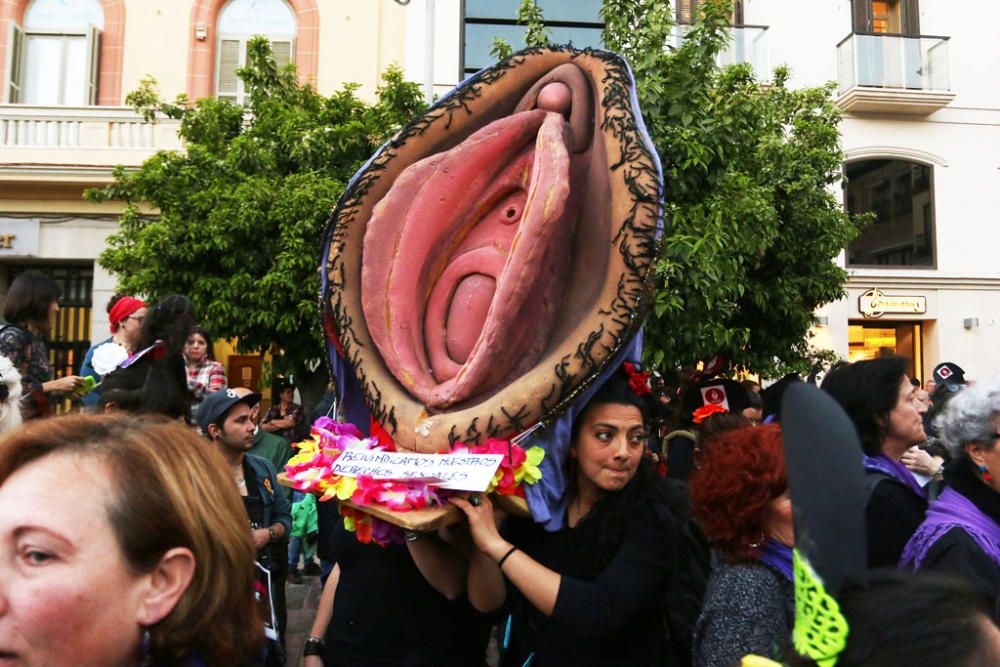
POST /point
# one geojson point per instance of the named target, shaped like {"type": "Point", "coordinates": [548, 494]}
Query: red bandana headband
{"type": "Point", "coordinates": [124, 307]}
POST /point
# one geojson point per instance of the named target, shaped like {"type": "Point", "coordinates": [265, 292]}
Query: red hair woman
{"type": "Point", "coordinates": [739, 495]}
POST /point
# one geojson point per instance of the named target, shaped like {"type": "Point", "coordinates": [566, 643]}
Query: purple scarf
{"type": "Point", "coordinates": [778, 556]}
{"type": "Point", "coordinates": [896, 470]}
{"type": "Point", "coordinates": [952, 510]}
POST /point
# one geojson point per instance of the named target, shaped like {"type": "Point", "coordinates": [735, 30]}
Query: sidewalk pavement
{"type": "Point", "coordinates": [302, 600]}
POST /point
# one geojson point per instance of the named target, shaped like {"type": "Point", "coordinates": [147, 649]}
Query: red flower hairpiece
{"type": "Point", "coordinates": [705, 411]}
{"type": "Point", "coordinates": [638, 381]}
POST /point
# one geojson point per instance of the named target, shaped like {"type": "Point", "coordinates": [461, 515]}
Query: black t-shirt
{"type": "Point", "coordinates": [613, 618]}
{"type": "Point", "coordinates": [385, 613]}
{"type": "Point", "coordinates": [252, 502]}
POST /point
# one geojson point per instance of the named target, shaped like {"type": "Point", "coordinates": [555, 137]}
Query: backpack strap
{"type": "Point", "coordinates": [679, 433]}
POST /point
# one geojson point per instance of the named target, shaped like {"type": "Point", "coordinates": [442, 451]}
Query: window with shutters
{"type": "Point", "coordinates": [687, 12]}
{"type": "Point", "coordinates": [886, 17]}
{"type": "Point", "coordinates": [238, 22]}
{"type": "Point", "coordinates": [53, 59]}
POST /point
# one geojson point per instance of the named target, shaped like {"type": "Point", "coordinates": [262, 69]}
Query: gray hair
{"type": "Point", "coordinates": [970, 415]}
{"type": "Point", "coordinates": [10, 411]}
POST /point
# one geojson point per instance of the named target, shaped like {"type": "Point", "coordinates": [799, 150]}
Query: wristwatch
{"type": "Point", "coordinates": [272, 533]}
{"type": "Point", "coordinates": [313, 646]}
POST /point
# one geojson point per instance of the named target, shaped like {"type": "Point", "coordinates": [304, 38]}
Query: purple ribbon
{"type": "Point", "coordinates": [896, 470]}
{"type": "Point", "coordinates": [778, 556]}
{"type": "Point", "coordinates": [952, 510]}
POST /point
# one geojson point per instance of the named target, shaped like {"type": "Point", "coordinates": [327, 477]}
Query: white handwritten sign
{"type": "Point", "coordinates": [459, 472]}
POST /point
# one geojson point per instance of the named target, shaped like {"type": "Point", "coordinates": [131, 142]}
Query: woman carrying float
{"type": "Point", "coordinates": [486, 276]}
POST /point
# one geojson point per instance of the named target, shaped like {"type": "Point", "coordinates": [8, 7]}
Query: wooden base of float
{"type": "Point", "coordinates": [430, 518]}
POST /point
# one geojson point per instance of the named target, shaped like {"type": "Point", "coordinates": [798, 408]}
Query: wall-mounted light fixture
{"type": "Point", "coordinates": [970, 322]}
{"type": "Point", "coordinates": [201, 32]}
{"type": "Point", "coordinates": [822, 321]}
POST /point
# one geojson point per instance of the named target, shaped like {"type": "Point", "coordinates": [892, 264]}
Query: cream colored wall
{"type": "Point", "coordinates": [358, 40]}
{"type": "Point", "coordinates": [157, 40]}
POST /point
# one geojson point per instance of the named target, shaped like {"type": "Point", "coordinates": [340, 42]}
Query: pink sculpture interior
{"type": "Point", "coordinates": [467, 257]}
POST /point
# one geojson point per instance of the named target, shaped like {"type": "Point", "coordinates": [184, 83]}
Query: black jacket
{"type": "Point", "coordinates": [956, 552]}
{"type": "Point", "coordinates": [892, 514]}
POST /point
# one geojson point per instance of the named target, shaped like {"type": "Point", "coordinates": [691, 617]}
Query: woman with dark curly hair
{"type": "Point", "coordinates": [153, 380]}
{"type": "Point", "coordinates": [888, 415]}
{"type": "Point", "coordinates": [30, 309]}
{"type": "Point", "coordinates": [587, 594]}
{"type": "Point", "coordinates": [739, 495]}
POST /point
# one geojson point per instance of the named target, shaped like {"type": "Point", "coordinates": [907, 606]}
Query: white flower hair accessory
{"type": "Point", "coordinates": [106, 357]}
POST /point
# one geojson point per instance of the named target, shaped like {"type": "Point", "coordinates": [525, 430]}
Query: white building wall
{"type": "Point", "coordinates": [960, 141]}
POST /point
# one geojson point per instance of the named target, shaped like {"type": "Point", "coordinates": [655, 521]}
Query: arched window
{"type": "Point", "coordinates": [900, 194]}
{"type": "Point", "coordinates": [238, 22]}
{"type": "Point", "coordinates": [54, 57]}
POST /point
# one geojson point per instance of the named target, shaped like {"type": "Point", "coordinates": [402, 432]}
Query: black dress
{"type": "Point", "coordinates": [386, 614]}
{"type": "Point", "coordinates": [613, 618]}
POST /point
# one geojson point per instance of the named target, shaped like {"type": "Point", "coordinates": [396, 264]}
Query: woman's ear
{"type": "Point", "coordinates": [975, 452]}
{"type": "Point", "coordinates": [167, 582]}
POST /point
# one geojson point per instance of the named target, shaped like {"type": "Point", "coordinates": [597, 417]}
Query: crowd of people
{"type": "Point", "coordinates": [149, 527]}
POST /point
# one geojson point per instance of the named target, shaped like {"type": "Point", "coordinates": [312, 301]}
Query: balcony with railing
{"type": "Point", "coordinates": [746, 44]}
{"type": "Point", "coordinates": [88, 138]}
{"type": "Point", "coordinates": [885, 73]}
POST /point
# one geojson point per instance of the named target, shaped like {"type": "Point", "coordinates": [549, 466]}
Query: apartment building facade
{"type": "Point", "coordinates": [916, 81]}
{"type": "Point", "coordinates": [64, 126]}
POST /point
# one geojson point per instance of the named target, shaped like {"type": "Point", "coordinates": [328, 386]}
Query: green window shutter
{"type": "Point", "coordinates": [282, 51]}
{"type": "Point", "coordinates": [15, 63]}
{"type": "Point", "coordinates": [93, 62]}
{"type": "Point", "coordinates": [909, 18]}
{"type": "Point", "coordinates": [861, 13]}
{"type": "Point", "coordinates": [229, 60]}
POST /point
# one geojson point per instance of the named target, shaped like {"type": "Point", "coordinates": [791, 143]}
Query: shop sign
{"type": "Point", "coordinates": [19, 237]}
{"type": "Point", "coordinates": [875, 303]}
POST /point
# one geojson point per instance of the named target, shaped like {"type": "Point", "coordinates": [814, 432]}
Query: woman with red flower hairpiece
{"type": "Point", "coordinates": [739, 494]}
{"type": "Point", "coordinates": [590, 593]}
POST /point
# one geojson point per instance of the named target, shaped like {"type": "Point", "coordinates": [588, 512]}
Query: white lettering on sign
{"type": "Point", "coordinates": [875, 303]}
{"type": "Point", "coordinates": [459, 472]}
{"type": "Point", "coordinates": [19, 237]}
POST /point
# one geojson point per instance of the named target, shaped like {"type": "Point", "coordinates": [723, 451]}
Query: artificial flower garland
{"type": "Point", "coordinates": [311, 471]}
{"type": "Point", "coordinates": [706, 411]}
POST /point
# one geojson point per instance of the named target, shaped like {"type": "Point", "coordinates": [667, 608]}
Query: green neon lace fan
{"type": "Point", "coordinates": [826, 480]}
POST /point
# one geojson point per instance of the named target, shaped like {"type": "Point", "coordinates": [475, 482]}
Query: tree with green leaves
{"type": "Point", "coordinates": [752, 226]}
{"type": "Point", "coordinates": [241, 211]}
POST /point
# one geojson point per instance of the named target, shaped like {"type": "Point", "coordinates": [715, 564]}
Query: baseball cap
{"type": "Point", "coordinates": [948, 373]}
{"type": "Point", "coordinates": [218, 403]}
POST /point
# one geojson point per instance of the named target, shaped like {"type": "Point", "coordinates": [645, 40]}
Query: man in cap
{"type": "Point", "coordinates": [948, 379]}
{"type": "Point", "coordinates": [275, 449]}
{"type": "Point", "coordinates": [950, 375]}
{"type": "Point", "coordinates": [224, 418]}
